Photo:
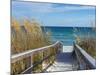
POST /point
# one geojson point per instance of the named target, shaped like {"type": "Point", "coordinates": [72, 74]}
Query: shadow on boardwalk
{"type": "Point", "coordinates": [65, 57]}
{"type": "Point", "coordinates": [64, 62]}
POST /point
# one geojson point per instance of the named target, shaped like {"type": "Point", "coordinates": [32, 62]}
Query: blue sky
{"type": "Point", "coordinates": [52, 14]}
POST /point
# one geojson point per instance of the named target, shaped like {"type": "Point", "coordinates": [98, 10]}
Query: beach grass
{"type": "Point", "coordinates": [88, 43]}
{"type": "Point", "coordinates": [25, 36]}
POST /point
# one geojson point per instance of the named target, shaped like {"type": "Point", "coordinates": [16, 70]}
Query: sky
{"type": "Point", "coordinates": [54, 14]}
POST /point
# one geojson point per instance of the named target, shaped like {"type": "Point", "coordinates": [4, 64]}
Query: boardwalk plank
{"type": "Point", "coordinates": [64, 61]}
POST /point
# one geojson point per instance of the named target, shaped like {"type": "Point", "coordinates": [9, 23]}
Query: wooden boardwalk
{"type": "Point", "coordinates": [64, 61]}
{"type": "Point", "coordinates": [68, 58]}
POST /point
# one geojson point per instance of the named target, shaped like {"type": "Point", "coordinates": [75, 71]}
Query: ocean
{"type": "Point", "coordinates": [67, 34]}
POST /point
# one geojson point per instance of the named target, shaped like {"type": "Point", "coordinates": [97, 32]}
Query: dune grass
{"type": "Point", "coordinates": [88, 43]}
{"type": "Point", "coordinates": [25, 36]}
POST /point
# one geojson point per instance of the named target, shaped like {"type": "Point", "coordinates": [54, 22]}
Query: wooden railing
{"type": "Point", "coordinates": [84, 59]}
{"type": "Point", "coordinates": [36, 60]}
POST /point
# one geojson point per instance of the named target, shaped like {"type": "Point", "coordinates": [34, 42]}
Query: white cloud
{"type": "Point", "coordinates": [48, 7]}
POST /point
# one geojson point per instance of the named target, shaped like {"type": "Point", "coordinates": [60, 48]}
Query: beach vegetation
{"type": "Point", "coordinates": [88, 43]}
{"type": "Point", "coordinates": [25, 36]}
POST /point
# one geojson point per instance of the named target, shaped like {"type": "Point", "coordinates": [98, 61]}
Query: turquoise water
{"type": "Point", "coordinates": [67, 34]}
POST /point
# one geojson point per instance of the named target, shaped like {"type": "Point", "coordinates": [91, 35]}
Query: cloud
{"type": "Point", "coordinates": [47, 7]}
{"type": "Point", "coordinates": [50, 8]}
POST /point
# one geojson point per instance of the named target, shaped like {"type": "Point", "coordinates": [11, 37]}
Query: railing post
{"type": "Point", "coordinates": [60, 47]}
{"type": "Point", "coordinates": [31, 60]}
{"type": "Point", "coordinates": [76, 55]}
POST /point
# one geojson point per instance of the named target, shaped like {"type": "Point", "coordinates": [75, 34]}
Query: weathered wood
{"type": "Point", "coordinates": [57, 47]}
{"type": "Point", "coordinates": [64, 61]}
{"type": "Point", "coordinates": [84, 59]}
{"type": "Point", "coordinates": [28, 53]}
